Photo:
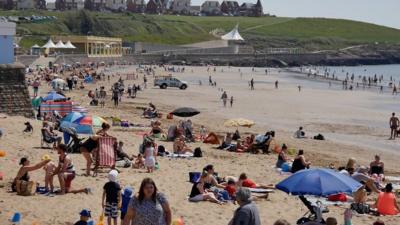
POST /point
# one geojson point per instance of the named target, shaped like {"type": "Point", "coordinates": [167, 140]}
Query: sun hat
{"type": "Point", "coordinates": [112, 175]}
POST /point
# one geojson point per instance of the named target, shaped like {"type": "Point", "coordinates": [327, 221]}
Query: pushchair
{"type": "Point", "coordinates": [73, 146]}
{"type": "Point", "coordinates": [314, 214]}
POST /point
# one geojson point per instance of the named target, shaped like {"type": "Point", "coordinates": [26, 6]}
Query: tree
{"type": "Point", "coordinates": [88, 5]}
{"type": "Point", "coordinates": [41, 4]}
{"type": "Point", "coordinates": [86, 23]}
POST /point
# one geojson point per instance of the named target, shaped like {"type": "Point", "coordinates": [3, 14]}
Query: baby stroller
{"type": "Point", "coordinates": [314, 214]}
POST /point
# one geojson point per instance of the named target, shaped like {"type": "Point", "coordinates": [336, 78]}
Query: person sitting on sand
{"type": "Point", "coordinates": [200, 193]}
{"type": "Point", "coordinates": [120, 153]}
{"type": "Point", "coordinates": [300, 162]}
{"type": "Point", "coordinates": [300, 133]}
{"type": "Point", "coordinates": [227, 141]}
{"type": "Point", "coordinates": [231, 189]}
{"type": "Point", "coordinates": [377, 168]}
{"type": "Point", "coordinates": [203, 133]}
{"type": "Point", "coordinates": [361, 175]}
{"type": "Point", "coordinates": [22, 183]}
{"type": "Point", "coordinates": [91, 144]}
{"type": "Point", "coordinates": [244, 181]}
{"type": "Point", "coordinates": [282, 156]}
{"type": "Point", "coordinates": [212, 180]}
{"type": "Point", "coordinates": [139, 162]}
{"type": "Point", "coordinates": [28, 128]}
{"type": "Point", "coordinates": [66, 172]}
{"type": "Point", "coordinates": [156, 129]}
{"type": "Point", "coordinates": [180, 146]}
{"type": "Point", "coordinates": [386, 202]}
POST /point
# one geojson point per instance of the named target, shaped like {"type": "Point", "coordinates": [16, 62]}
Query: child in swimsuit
{"type": "Point", "coordinates": [48, 178]}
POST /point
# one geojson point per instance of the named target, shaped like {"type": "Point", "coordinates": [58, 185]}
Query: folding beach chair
{"type": "Point", "coordinates": [105, 156]}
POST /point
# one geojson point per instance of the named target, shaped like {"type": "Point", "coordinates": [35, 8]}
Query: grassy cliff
{"type": "Point", "coordinates": [263, 32]}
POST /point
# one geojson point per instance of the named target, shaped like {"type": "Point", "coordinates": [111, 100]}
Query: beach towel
{"type": "Point", "coordinates": [186, 155]}
{"type": "Point", "coordinates": [261, 190]}
{"type": "Point", "coordinates": [106, 154]}
{"type": "Point", "coordinates": [211, 138]}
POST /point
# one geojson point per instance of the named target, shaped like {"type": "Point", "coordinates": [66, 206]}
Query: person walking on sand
{"type": "Point", "coordinates": [276, 84]}
{"type": "Point", "coordinates": [252, 84]}
{"type": "Point", "coordinates": [231, 101]}
{"type": "Point", "coordinates": [394, 124]}
{"type": "Point", "coordinates": [299, 87]}
{"type": "Point", "coordinates": [224, 98]}
{"type": "Point", "coordinates": [102, 97]}
{"type": "Point", "coordinates": [394, 90]}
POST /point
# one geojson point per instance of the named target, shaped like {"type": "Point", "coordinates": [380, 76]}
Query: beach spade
{"type": "Point", "coordinates": [2, 153]}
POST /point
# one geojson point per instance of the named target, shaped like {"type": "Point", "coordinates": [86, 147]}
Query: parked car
{"type": "Point", "coordinates": [168, 81]}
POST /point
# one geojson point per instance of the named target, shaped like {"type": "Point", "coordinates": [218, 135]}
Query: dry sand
{"type": "Point", "coordinates": [353, 122]}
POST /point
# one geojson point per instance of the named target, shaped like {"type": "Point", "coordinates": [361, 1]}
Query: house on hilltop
{"type": "Point", "coordinates": [250, 9]}
{"type": "Point", "coordinates": [153, 7]}
{"type": "Point", "coordinates": [181, 7]}
{"type": "Point", "coordinates": [230, 7]}
{"type": "Point", "coordinates": [74, 4]}
{"type": "Point", "coordinates": [136, 6]}
{"type": "Point", "coordinates": [211, 8]}
{"type": "Point", "coordinates": [116, 5]}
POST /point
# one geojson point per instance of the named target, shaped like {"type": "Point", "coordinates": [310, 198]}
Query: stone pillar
{"type": "Point", "coordinates": [14, 94]}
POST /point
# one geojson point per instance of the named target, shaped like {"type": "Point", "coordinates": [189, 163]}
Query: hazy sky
{"type": "Point", "coordinates": [383, 12]}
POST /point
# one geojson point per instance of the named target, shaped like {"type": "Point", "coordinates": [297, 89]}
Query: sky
{"type": "Point", "coordinates": [382, 12]}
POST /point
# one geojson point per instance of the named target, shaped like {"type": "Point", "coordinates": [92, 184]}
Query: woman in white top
{"type": "Point", "coordinates": [150, 157]}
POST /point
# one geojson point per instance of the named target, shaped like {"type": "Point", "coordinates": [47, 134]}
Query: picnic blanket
{"type": "Point", "coordinates": [186, 155]}
{"type": "Point", "coordinates": [63, 108]}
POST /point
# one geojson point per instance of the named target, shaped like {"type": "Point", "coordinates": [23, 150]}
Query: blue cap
{"type": "Point", "coordinates": [85, 212]}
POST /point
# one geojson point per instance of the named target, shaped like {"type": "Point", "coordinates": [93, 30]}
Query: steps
{"type": "Point", "coordinates": [43, 61]}
{"type": "Point", "coordinates": [14, 94]}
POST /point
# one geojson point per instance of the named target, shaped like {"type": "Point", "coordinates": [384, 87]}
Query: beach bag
{"type": "Point", "coordinates": [286, 167]}
{"type": "Point", "coordinates": [197, 152]}
{"type": "Point", "coordinates": [194, 177]}
{"type": "Point", "coordinates": [360, 208]}
{"type": "Point", "coordinates": [26, 188]}
{"type": "Point", "coordinates": [319, 137]}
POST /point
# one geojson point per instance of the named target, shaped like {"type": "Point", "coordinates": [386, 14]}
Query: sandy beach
{"type": "Point", "coordinates": [355, 124]}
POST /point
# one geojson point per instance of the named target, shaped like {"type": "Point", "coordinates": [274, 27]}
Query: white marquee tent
{"type": "Point", "coordinates": [233, 35]}
{"type": "Point", "coordinates": [69, 45]}
{"type": "Point", "coordinates": [49, 44]}
{"type": "Point", "coordinates": [60, 45]}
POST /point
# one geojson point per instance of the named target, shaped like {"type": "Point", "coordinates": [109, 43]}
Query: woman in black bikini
{"type": "Point", "coordinates": [300, 162]}
{"type": "Point", "coordinates": [23, 175]}
{"type": "Point", "coordinates": [377, 168]}
{"type": "Point", "coordinates": [91, 144]}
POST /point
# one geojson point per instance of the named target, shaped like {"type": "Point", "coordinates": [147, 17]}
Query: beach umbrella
{"type": "Point", "coordinates": [58, 82]}
{"type": "Point", "coordinates": [71, 117]}
{"type": "Point", "coordinates": [318, 182]}
{"type": "Point", "coordinates": [185, 112]}
{"type": "Point", "coordinates": [53, 96]}
{"type": "Point", "coordinates": [240, 122]}
{"type": "Point", "coordinates": [95, 121]}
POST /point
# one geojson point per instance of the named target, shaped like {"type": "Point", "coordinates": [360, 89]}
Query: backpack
{"type": "Point", "coordinates": [198, 153]}
{"type": "Point", "coordinates": [194, 177]}
{"type": "Point", "coordinates": [360, 208]}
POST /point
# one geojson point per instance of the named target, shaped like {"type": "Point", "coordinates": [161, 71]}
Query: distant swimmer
{"type": "Point", "coordinates": [394, 124]}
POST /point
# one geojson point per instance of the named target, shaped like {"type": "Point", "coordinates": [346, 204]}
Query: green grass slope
{"type": "Point", "coordinates": [263, 32]}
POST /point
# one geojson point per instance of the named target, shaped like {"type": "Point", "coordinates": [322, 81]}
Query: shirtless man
{"type": "Point", "coordinates": [394, 124]}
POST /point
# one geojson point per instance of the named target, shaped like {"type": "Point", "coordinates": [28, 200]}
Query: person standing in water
{"type": "Point", "coordinates": [231, 101]}
{"type": "Point", "coordinates": [252, 84]}
{"type": "Point", "coordinates": [224, 98]}
{"type": "Point", "coordinates": [276, 84]}
{"type": "Point", "coordinates": [394, 124]}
